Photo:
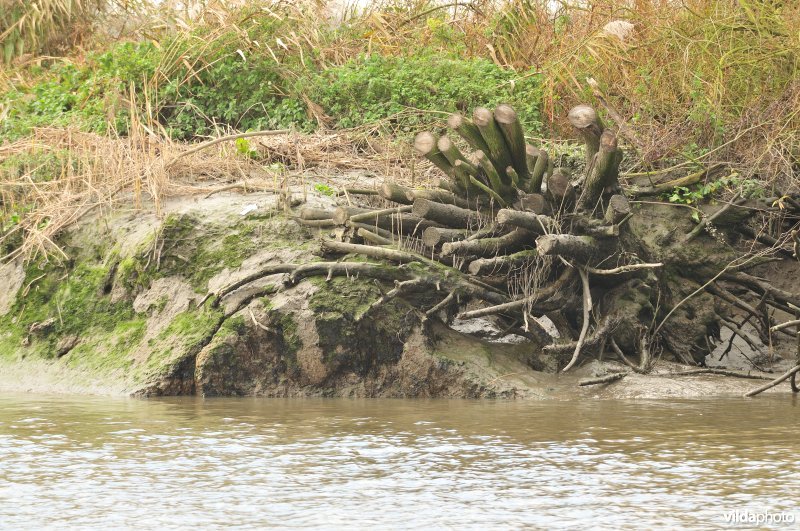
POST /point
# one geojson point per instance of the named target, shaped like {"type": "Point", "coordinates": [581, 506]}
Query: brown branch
{"type": "Point", "coordinates": [785, 376]}
{"type": "Point", "coordinates": [587, 309]}
{"type": "Point", "coordinates": [603, 379]}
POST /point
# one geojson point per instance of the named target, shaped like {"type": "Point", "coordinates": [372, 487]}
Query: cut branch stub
{"type": "Point", "coordinates": [535, 203]}
{"type": "Point", "coordinates": [618, 209]}
{"type": "Point", "coordinates": [468, 131]}
{"type": "Point", "coordinates": [603, 172]}
{"type": "Point", "coordinates": [537, 170]}
{"type": "Point", "coordinates": [508, 121]}
{"type": "Point", "coordinates": [342, 214]}
{"type": "Point", "coordinates": [560, 190]}
{"type": "Point", "coordinates": [425, 144]}
{"type": "Point", "coordinates": [585, 119]}
{"type": "Point", "coordinates": [491, 133]}
{"type": "Point", "coordinates": [439, 196]}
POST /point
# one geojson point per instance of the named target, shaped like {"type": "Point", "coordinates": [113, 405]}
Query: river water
{"type": "Point", "coordinates": [78, 462]}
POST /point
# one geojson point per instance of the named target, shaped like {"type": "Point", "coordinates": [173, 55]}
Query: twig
{"type": "Point", "coordinates": [227, 138]}
{"type": "Point", "coordinates": [604, 379]}
{"type": "Point", "coordinates": [587, 309]}
{"type": "Point", "coordinates": [721, 372]}
{"type": "Point", "coordinates": [787, 324]}
{"type": "Point", "coordinates": [788, 374]}
{"type": "Point", "coordinates": [622, 269]}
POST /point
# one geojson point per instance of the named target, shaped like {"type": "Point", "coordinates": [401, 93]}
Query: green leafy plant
{"type": "Point", "coordinates": [324, 189]}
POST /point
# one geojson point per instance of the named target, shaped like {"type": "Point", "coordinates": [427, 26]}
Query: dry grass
{"type": "Point", "coordinates": [142, 170]}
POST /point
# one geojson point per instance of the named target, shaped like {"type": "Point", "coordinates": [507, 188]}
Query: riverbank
{"type": "Point", "coordinates": [127, 314]}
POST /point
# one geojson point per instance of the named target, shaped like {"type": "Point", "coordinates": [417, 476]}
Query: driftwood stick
{"type": "Point", "coordinates": [785, 376]}
{"type": "Point", "coordinates": [587, 311]}
{"type": "Point", "coordinates": [709, 370]}
{"type": "Point", "coordinates": [787, 324]}
{"type": "Point", "coordinates": [613, 377]}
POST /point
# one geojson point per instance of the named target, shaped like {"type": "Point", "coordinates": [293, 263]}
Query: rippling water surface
{"type": "Point", "coordinates": [82, 462]}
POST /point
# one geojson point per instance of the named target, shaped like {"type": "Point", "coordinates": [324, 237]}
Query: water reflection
{"type": "Point", "coordinates": [88, 462]}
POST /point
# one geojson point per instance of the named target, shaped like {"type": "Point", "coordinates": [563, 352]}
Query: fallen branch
{"type": "Point", "coordinates": [785, 376]}
{"type": "Point", "coordinates": [587, 310]}
{"type": "Point", "coordinates": [603, 379]}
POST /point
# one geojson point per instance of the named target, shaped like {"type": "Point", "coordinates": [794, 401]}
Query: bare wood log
{"type": "Point", "coordinates": [589, 226]}
{"type": "Point", "coordinates": [785, 376]}
{"type": "Point", "coordinates": [502, 263]}
{"type": "Point", "coordinates": [560, 190]}
{"type": "Point", "coordinates": [357, 191]}
{"type": "Point", "coordinates": [569, 246]}
{"type": "Point", "coordinates": [618, 208]}
{"type": "Point", "coordinates": [585, 119]}
{"type": "Point", "coordinates": [433, 236]}
{"type": "Point", "coordinates": [491, 133]}
{"type": "Point", "coordinates": [317, 223]}
{"type": "Point", "coordinates": [508, 121]}
{"type": "Point", "coordinates": [535, 203]}
{"type": "Point", "coordinates": [439, 196]}
{"type": "Point", "coordinates": [383, 233]}
{"type": "Point", "coordinates": [516, 182]}
{"type": "Point", "coordinates": [603, 172]}
{"type": "Point", "coordinates": [468, 131]}
{"type": "Point", "coordinates": [525, 220]}
{"type": "Point", "coordinates": [342, 214]}
{"type": "Point", "coordinates": [538, 171]}
{"type": "Point", "coordinates": [448, 215]}
{"type": "Point", "coordinates": [372, 215]}
{"type": "Point", "coordinates": [310, 213]}
{"type": "Point", "coordinates": [406, 223]}
{"type": "Point", "coordinates": [395, 192]}
{"type": "Point", "coordinates": [609, 378]}
{"type": "Point", "coordinates": [425, 144]}
{"type": "Point", "coordinates": [444, 184]}
{"type": "Point", "coordinates": [488, 246]}
{"type": "Point", "coordinates": [373, 237]}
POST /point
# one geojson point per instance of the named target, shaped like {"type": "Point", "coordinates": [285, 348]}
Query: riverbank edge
{"type": "Point", "coordinates": [123, 317]}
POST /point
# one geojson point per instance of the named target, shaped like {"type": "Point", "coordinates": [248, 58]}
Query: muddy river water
{"type": "Point", "coordinates": [78, 462]}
